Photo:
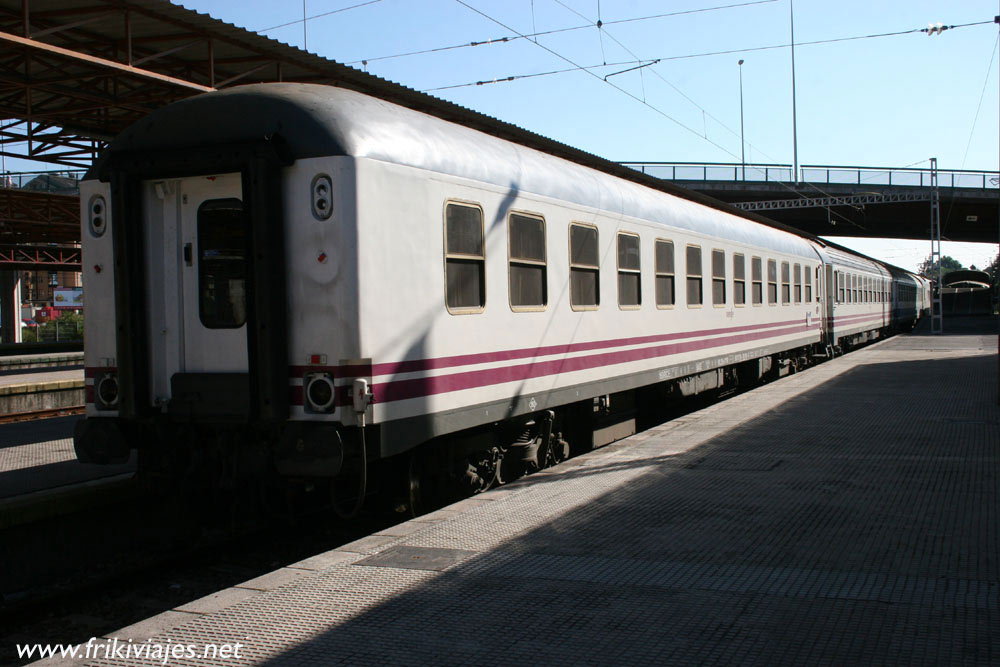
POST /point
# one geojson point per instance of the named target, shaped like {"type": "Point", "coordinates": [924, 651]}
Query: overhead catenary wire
{"type": "Point", "coordinates": [703, 54]}
{"type": "Point", "coordinates": [639, 100]}
{"type": "Point", "coordinates": [581, 68]}
{"type": "Point", "coordinates": [304, 19]}
{"type": "Point", "coordinates": [533, 36]}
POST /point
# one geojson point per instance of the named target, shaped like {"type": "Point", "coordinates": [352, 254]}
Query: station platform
{"type": "Point", "coordinates": [847, 514]}
{"type": "Point", "coordinates": [40, 476]}
{"type": "Point", "coordinates": [19, 362]}
{"type": "Point", "coordinates": [41, 382]}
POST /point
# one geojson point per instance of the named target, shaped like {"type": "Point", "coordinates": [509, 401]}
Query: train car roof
{"type": "Point", "coordinates": [315, 120]}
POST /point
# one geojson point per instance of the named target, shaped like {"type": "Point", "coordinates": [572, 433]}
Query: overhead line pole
{"type": "Point", "coordinates": [937, 316]}
{"type": "Point", "coordinates": [795, 131]}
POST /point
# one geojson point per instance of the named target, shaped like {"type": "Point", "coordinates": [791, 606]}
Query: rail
{"type": "Point", "coordinates": [827, 174]}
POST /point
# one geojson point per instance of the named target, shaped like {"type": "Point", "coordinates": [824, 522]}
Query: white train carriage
{"type": "Point", "coordinates": [858, 298]}
{"type": "Point", "coordinates": [308, 265]}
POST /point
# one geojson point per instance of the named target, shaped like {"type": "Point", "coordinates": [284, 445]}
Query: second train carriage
{"type": "Point", "coordinates": [318, 270]}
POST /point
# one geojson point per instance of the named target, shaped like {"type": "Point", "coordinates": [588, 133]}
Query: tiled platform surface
{"type": "Point", "coordinates": [38, 466]}
{"type": "Point", "coordinates": [845, 515]}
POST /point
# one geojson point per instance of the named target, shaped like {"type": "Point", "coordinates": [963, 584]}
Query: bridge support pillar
{"type": "Point", "coordinates": [10, 307]}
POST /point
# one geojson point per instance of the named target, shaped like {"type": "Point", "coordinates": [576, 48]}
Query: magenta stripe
{"type": "Point", "coordinates": [415, 365]}
{"type": "Point", "coordinates": [399, 390]}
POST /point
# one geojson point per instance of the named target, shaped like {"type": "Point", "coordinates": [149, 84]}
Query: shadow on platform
{"type": "Point", "coordinates": [856, 523]}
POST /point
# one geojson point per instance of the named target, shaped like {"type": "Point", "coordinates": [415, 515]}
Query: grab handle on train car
{"type": "Point", "coordinates": [188, 255]}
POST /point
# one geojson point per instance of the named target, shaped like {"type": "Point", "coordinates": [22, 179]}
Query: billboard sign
{"type": "Point", "coordinates": [68, 297]}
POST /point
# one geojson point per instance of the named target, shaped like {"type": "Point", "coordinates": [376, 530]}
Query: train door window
{"type": "Point", "coordinates": [786, 286]}
{"type": "Point", "coordinates": [527, 270]}
{"type": "Point", "coordinates": [694, 284]}
{"type": "Point", "coordinates": [797, 282]}
{"type": "Point", "coordinates": [465, 259]}
{"type": "Point", "coordinates": [772, 282]}
{"type": "Point", "coordinates": [222, 264]}
{"type": "Point", "coordinates": [739, 279]}
{"type": "Point", "coordinates": [757, 277]}
{"type": "Point", "coordinates": [809, 283]}
{"type": "Point", "coordinates": [719, 277]}
{"type": "Point", "coordinates": [584, 267]}
{"type": "Point", "coordinates": [664, 273]}
{"type": "Point", "coordinates": [629, 289]}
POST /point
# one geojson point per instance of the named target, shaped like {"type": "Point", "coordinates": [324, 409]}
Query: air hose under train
{"type": "Point", "coordinates": [362, 486]}
{"type": "Point", "coordinates": [362, 397]}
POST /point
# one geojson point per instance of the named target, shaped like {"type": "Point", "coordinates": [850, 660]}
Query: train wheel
{"type": "Point", "coordinates": [415, 480]}
{"type": "Point", "coordinates": [556, 452]}
{"type": "Point", "coordinates": [483, 469]}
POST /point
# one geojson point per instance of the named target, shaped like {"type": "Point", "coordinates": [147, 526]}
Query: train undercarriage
{"type": "Point", "coordinates": [312, 464]}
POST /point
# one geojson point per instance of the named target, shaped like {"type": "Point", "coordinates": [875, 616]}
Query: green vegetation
{"type": "Point", "coordinates": [67, 327]}
{"type": "Point", "coordinates": [929, 268]}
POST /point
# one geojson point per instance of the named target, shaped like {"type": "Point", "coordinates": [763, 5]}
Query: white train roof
{"type": "Point", "coordinates": [315, 120]}
{"type": "Point", "coordinates": [850, 260]}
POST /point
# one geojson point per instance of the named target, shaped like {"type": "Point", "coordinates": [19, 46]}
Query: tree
{"type": "Point", "coordinates": [929, 268]}
{"type": "Point", "coordinates": [994, 270]}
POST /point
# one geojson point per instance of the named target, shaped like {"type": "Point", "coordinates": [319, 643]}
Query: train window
{"type": "Point", "coordinates": [664, 273]}
{"type": "Point", "coordinates": [694, 284]}
{"type": "Point", "coordinates": [841, 295]}
{"type": "Point", "coordinates": [772, 282]}
{"type": "Point", "coordinates": [584, 267]}
{"type": "Point", "coordinates": [222, 264]}
{"type": "Point", "coordinates": [527, 271]}
{"type": "Point", "coordinates": [465, 258]}
{"type": "Point", "coordinates": [719, 277]}
{"type": "Point", "coordinates": [757, 275]}
{"type": "Point", "coordinates": [739, 279]}
{"type": "Point", "coordinates": [786, 287]}
{"type": "Point", "coordinates": [809, 283]}
{"type": "Point", "coordinates": [852, 289]}
{"type": "Point", "coordinates": [629, 290]}
{"type": "Point", "coordinates": [797, 281]}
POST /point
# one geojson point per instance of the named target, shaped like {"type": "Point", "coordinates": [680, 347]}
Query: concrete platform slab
{"type": "Point", "coordinates": [843, 515]}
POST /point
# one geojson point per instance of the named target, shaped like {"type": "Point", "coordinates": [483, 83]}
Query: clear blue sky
{"type": "Point", "coordinates": [880, 101]}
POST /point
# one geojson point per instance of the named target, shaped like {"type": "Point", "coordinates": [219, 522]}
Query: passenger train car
{"type": "Point", "coordinates": [287, 275]}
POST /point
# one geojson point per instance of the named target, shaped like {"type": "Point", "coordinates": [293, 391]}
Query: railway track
{"type": "Point", "coordinates": [41, 414]}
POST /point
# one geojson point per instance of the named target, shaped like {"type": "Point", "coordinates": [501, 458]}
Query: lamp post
{"type": "Point", "coordinates": [743, 145]}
